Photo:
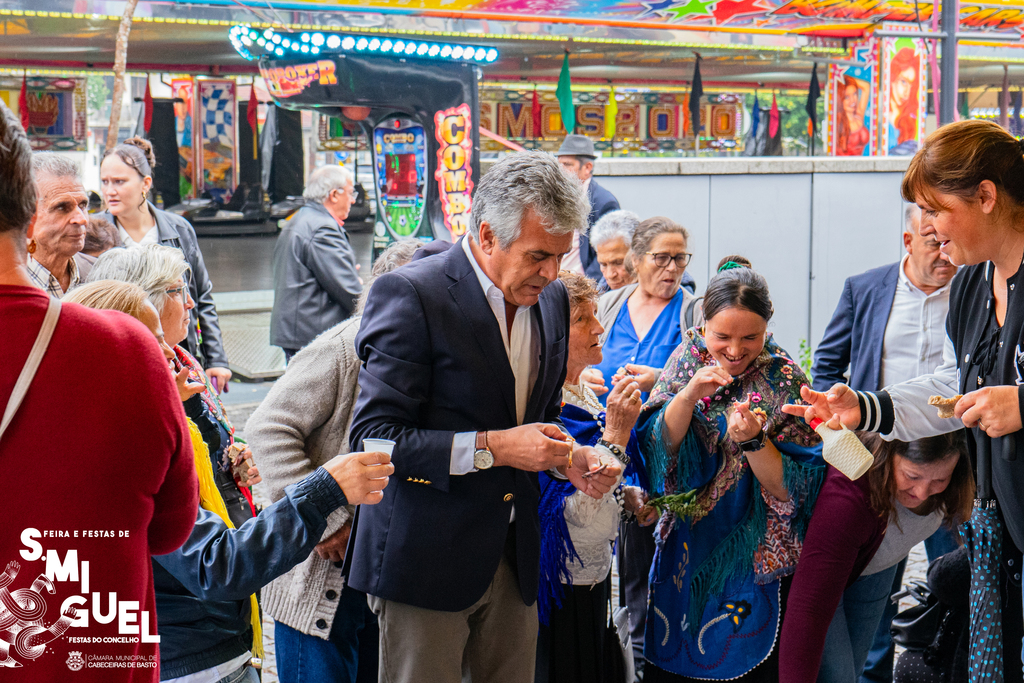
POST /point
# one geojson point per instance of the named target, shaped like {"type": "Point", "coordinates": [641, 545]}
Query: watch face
{"type": "Point", "coordinates": [483, 459]}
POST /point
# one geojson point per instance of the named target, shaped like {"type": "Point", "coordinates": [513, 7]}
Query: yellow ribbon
{"type": "Point", "coordinates": [210, 499]}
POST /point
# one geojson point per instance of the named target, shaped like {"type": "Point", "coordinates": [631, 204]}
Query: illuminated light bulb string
{"type": "Point", "coordinates": [247, 39]}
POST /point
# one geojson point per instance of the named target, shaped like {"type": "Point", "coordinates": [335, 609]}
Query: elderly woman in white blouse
{"type": "Point", "coordinates": [577, 531]}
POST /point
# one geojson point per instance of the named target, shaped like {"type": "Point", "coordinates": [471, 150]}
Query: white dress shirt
{"type": "Point", "coordinates": [915, 332]}
{"type": "Point", "coordinates": [522, 351]}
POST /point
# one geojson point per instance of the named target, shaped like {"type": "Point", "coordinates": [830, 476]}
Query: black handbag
{"type": "Point", "coordinates": [916, 627]}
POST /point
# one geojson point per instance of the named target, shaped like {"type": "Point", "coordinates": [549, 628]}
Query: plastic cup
{"type": "Point", "coordinates": [379, 446]}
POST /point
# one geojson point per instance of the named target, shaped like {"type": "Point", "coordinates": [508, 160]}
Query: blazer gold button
{"type": "Point", "coordinates": [508, 497]}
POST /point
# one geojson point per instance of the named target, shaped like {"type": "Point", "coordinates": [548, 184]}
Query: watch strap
{"type": "Point", "coordinates": [481, 441]}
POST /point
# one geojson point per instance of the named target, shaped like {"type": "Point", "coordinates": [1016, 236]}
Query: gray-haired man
{"type": "Point", "coordinates": [316, 283]}
{"type": "Point", "coordinates": [60, 222]}
{"type": "Point", "coordinates": [464, 358]}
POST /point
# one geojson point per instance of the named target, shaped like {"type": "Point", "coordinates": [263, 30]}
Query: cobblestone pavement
{"type": "Point", "coordinates": [917, 565]}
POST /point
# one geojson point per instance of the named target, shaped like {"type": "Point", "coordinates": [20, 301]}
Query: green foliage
{"type": "Point", "coordinates": [793, 118]}
{"type": "Point", "coordinates": [805, 358]}
{"type": "Point", "coordinates": [97, 94]}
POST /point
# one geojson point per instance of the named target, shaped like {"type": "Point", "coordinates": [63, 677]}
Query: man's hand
{"type": "Point", "coordinates": [644, 375]}
{"type": "Point", "coordinates": [587, 459]}
{"type": "Point", "coordinates": [532, 447]}
{"type": "Point", "coordinates": [840, 400]}
{"type": "Point", "coordinates": [996, 410]}
{"type": "Point", "coordinates": [333, 547]}
{"type": "Point", "coordinates": [594, 378]}
{"type": "Point", "coordinates": [186, 389]}
{"type": "Point", "coordinates": [219, 378]}
{"type": "Point", "coordinates": [361, 476]}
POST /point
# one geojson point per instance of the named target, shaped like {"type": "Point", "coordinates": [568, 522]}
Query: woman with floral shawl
{"type": "Point", "coordinates": [740, 480]}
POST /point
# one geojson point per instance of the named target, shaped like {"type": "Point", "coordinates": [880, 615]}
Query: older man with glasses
{"type": "Point", "coordinates": [316, 283]}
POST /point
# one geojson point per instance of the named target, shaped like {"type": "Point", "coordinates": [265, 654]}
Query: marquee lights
{"type": "Point", "coordinates": [277, 44]}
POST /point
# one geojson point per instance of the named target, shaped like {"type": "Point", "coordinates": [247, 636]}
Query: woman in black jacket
{"type": "Point", "coordinates": [968, 179]}
{"type": "Point", "coordinates": [126, 176]}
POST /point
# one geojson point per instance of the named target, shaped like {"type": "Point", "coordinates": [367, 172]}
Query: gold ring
{"type": "Point", "coordinates": [635, 398]}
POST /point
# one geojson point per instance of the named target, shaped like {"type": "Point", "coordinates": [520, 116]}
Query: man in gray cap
{"type": "Point", "coordinates": [577, 156]}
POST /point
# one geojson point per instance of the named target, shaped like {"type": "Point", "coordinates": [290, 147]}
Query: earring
{"type": "Point", "coordinates": [31, 246]}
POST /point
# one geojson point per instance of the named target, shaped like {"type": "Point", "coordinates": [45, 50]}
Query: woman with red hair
{"type": "Point", "coordinates": [904, 80]}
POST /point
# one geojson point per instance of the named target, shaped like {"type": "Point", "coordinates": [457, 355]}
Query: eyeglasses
{"type": "Point", "coordinates": [180, 291]}
{"type": "Point", "coordinates": [661, 259]}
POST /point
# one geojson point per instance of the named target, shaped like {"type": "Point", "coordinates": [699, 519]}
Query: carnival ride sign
{"type": "Point", "coordinates": [850, 105]}
{"type": "Point", "coordinates": [288, 81]}
{"type": "Point", "coordinates": [454, 174]}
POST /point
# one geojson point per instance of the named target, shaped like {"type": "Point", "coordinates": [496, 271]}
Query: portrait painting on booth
{"type": "Point", "coordinates": [853, 128]}
{"type": "Point", "coordinates": [904, 102]}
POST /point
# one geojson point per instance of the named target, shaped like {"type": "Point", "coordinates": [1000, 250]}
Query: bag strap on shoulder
{"type": "Point", "coordinates": [35, 357]}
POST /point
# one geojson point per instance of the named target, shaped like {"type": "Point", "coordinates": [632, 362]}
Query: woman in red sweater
{"type": "Point", "coordinates": [859, 532]}
{"type": "Point", "coordinates": [97, 468]}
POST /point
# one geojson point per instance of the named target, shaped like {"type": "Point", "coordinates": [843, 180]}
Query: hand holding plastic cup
{"type": "Point", "coordinates": [379, 446]}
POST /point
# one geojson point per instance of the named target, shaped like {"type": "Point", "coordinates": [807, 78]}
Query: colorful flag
{"type": "Point", "coordinates": [696, 92]}
{"type": "Point", "coordinates": [813, 93]}
{"type": "Point", "coordinates": [773, 118]}
{"type": "Point", "coordinates": [147, 108]}
{"type": "Point", "coordinates": [251, 115]}
{"type": "Point", "coordinates": [23, 103]}
{"type": "Point", "coordinates": [755, 118]}
{"type": "Point", "coordinates": [564, 94]}
{"type": "Point", "coordinates": [538, 128]}
{"type": "Point", "coordinates": [611, 113]}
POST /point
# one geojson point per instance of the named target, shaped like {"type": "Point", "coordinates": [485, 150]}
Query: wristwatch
{"type": "Point", "coordinates": [615, 450]}
{"type": "Point", "coordinates": [483, 459]}
{"type": "Point", "coordinates": [755, 444]}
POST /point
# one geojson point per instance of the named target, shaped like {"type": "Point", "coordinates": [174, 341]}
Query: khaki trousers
{"type": "Point", "coordinates": [493, 640]}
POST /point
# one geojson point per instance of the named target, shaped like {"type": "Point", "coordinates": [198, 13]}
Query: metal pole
{"type": "Point", "coordinates": [950, 21]}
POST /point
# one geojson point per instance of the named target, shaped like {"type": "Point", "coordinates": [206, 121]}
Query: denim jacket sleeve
{"type": "Point", "coordinates": [218, 563]}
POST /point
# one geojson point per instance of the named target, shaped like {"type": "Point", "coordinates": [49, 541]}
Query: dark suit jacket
{"type": "Point", "coordinates": [601, 202]}
{"type": "Point", "coordinates": [855, 335]}
{"type": "Point", "coordinates": [435, 365]}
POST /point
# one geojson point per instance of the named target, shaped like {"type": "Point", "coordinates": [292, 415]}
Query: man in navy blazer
{"type": "Point", "coordinates": [577, 156]}
{"type": "Point", "coordinates": [464, 358]}
{"type": "Point", "coordinates": [889, 326]}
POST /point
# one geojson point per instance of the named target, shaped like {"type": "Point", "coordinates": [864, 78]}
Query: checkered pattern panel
{"type": "Point", "coordinates": [219, 122]}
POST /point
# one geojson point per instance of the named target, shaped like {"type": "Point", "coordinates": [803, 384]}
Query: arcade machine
{"type": "Point", "coordinates": [415, 99]}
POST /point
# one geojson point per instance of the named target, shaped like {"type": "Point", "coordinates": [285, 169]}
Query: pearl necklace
{"type": "Point", "coordinates": [582, 396]}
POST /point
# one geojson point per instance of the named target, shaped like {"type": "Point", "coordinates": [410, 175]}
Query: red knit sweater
{"type": "Point", "coordinates": [99, 448]}
{"type": "Point", "coordinates": [843, 536]}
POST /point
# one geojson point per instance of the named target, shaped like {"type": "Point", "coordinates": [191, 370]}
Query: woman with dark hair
{"type": "Point", "coordinates": [968, 179]}
{"type": "Point", "coordinates": [740, 479]}
{"type": "Point", "coordinates": [643, 324]}
{"type": "Point", "coordinates": [126, 177]}
{"type": "Point", "coordinates": [860, 532]}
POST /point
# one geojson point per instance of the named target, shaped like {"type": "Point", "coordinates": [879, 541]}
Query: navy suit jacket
{"type": "Point", "coordinates": [856, 333]}
{"type": "Point", "coordinates": [434, 365]}
{"type": "Point", "coordinates": [601, 202]}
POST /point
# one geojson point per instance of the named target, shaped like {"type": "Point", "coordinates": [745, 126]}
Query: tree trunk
{"type": "Point", "coordinates": [120, 63]}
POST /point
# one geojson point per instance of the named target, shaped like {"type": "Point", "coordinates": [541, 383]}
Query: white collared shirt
{"type": "Point", "coordinates": [915, 332]}
{"type": "Point", "coordinates": [522, 350]}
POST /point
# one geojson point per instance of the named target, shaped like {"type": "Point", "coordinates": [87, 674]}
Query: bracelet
{"type": "Point", "coordinates": [620, 499]}
{"type": "Point", "coordinates": [615, 450]}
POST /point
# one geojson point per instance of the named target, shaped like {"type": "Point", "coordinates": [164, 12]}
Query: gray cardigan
{"type": "Point", "coordinates": [302, 423]}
